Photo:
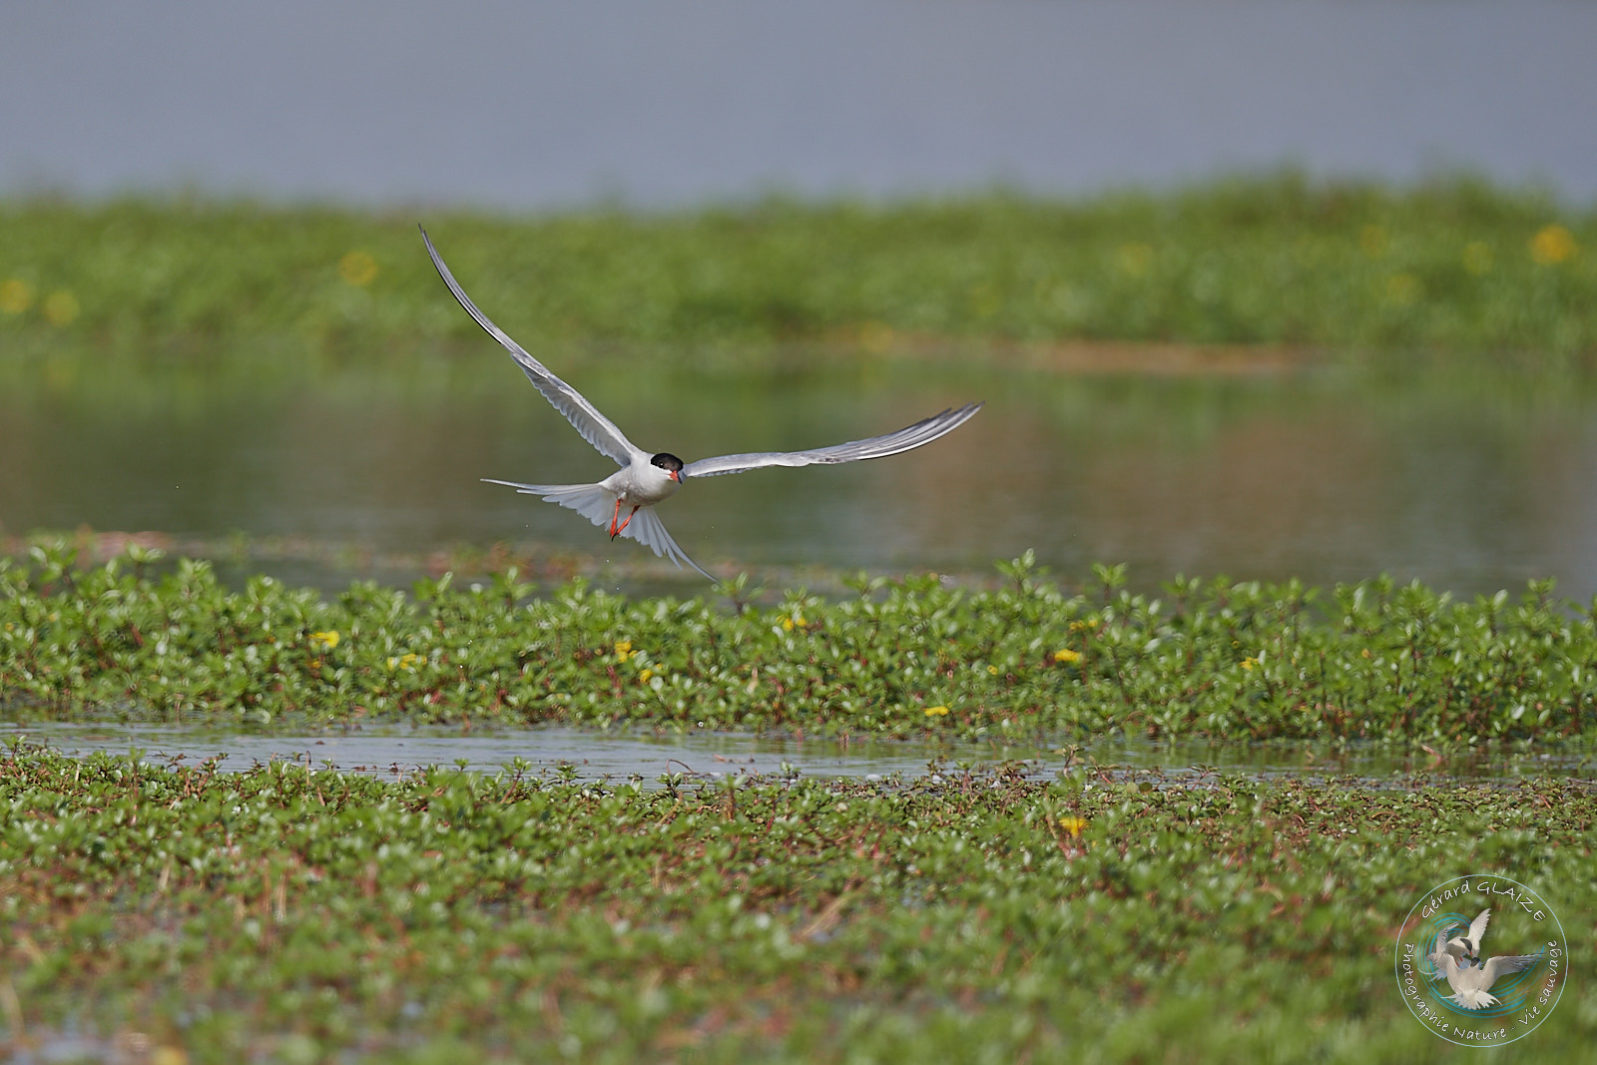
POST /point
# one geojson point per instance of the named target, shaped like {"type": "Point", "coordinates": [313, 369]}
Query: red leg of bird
{"type": "Point", "coordinates": [614, 532]}
{"type": "Point", "coordinates": [628, 520]}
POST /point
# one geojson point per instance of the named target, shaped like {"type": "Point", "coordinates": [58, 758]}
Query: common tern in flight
{"type": "Point", "coordinates": [647, 478]}
{"type": "Point", "coordinates": [1458, 960]}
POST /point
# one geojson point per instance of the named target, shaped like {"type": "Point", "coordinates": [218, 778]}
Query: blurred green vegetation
{"type": "Point", "coordinates": [1455, 267]}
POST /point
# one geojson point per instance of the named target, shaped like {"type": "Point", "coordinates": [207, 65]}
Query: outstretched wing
{"type": "Point", "coordinates": [1504, 964]}
{"type": "Point", "coordinates": [595, 428]}
{"type": "Point", "coordinates": [1442, 963]}
{"type": "Point", "coordinates": [911, 436]}
{"type": "Point", "coordinates": [1477, 929]}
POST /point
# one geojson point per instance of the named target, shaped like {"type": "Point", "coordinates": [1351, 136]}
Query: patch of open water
{"type": "Point", "coordinates": [587, 755]}
{"type": "Point", "coordinates": [1323, 477]}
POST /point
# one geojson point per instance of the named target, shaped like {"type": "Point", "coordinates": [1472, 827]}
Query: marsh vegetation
{"type": "Point", "coordinates": [177, 912]}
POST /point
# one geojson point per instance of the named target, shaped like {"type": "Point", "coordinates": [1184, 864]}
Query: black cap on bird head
{"type": "Point", "coordinates": [668, 462]}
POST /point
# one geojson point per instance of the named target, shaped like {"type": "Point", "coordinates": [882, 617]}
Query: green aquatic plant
{"type": "Point", "coordinates": [1025, 661]}
{"type": "Point", "coordinates": [285, 913]}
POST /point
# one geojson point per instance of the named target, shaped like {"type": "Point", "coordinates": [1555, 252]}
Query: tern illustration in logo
{"type": "Point", "coordinates": [1458, 960]}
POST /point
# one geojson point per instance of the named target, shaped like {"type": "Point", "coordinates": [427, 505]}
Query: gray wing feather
{"type": "Point", "coordinates": [598, 505]}
{"type": "Point", "coordinates": [1504, 964]}
{"type": "Point", "coordinates": [595, 428]}
{"type": "Point", "coordinates": [1441, 961]}
{"type": "Point", "coordinates": [911, 436]}
{"type": "Point", "coordinates": [647, 529]}
{"type": "Point", "coordinates": [1477, 928]}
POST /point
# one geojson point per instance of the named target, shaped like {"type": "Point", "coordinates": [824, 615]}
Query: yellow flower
{"type": "Point", "coordinates": [937, 711]}
{"type": "Point", "coordinates": [986, 300]}
{"type": "Point", "coordinates": [1372, 239]}
{"type": "Point", "coordinates": [1249, 663]}
{"type": "Point", "coordinates": [1402, 289]}
{"type": "Point", "coordinates": [327, 640]}
{"type": "Point", "coordinates": [1552, 245]}
{"type": "Point", "coordinates": [1135, 258]}
{"type": "Point", "coordinates": [1073, 825]}
{"type": "Point", "coordinates": [623, 650]}
{"type": "Point", "coordinates": [405, 661]}
{"type": "Point", "coordinates": [15, 296]}
{"type": "Point", "coordinates": [643, 678]}
{"type": "Point", "coordinates": [61, 307]}
{"type": "Point", "coordinates": [1084, 626]}
{"type": "Point", "coordinates": [1065, 654]}
{"type": "Point", "coordinates": [796, 619]}
{"type": "Point", "coordinates": [1477, 257]}
{"type": "Point", "coordinates": [358, 268]}
{"type": "Point", "coordinates": [875, 337]}
{"type": "Point", "coordinates": [993, 670]}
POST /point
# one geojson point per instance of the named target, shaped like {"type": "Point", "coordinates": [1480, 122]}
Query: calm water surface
{"type": "Point", "coordinates": [618, 757]}
{"type": "Point", "coordinates": [1319, 477]}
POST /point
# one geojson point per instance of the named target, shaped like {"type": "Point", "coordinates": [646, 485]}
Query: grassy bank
{"type": "Point", "coordinates": [1455, 267]}
{"type": "Point", "coordinates": [287, 915]}
{"type": "Point", "coordinates": [1022, 660]}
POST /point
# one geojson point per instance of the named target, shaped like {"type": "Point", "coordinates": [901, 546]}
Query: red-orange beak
{"type": "Point", "coordinates": [676, 475]}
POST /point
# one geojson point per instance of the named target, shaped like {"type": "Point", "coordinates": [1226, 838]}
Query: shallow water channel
{"type": "Point", "coordinates": [1318, 476]}
{"type": "Point", "coordinates": [587, 755]}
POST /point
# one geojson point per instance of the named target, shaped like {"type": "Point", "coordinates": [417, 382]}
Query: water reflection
{"type": "Point", "coordinates": [1319, 476]}
{"type": "Point", "coordinates": [618, 757]}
